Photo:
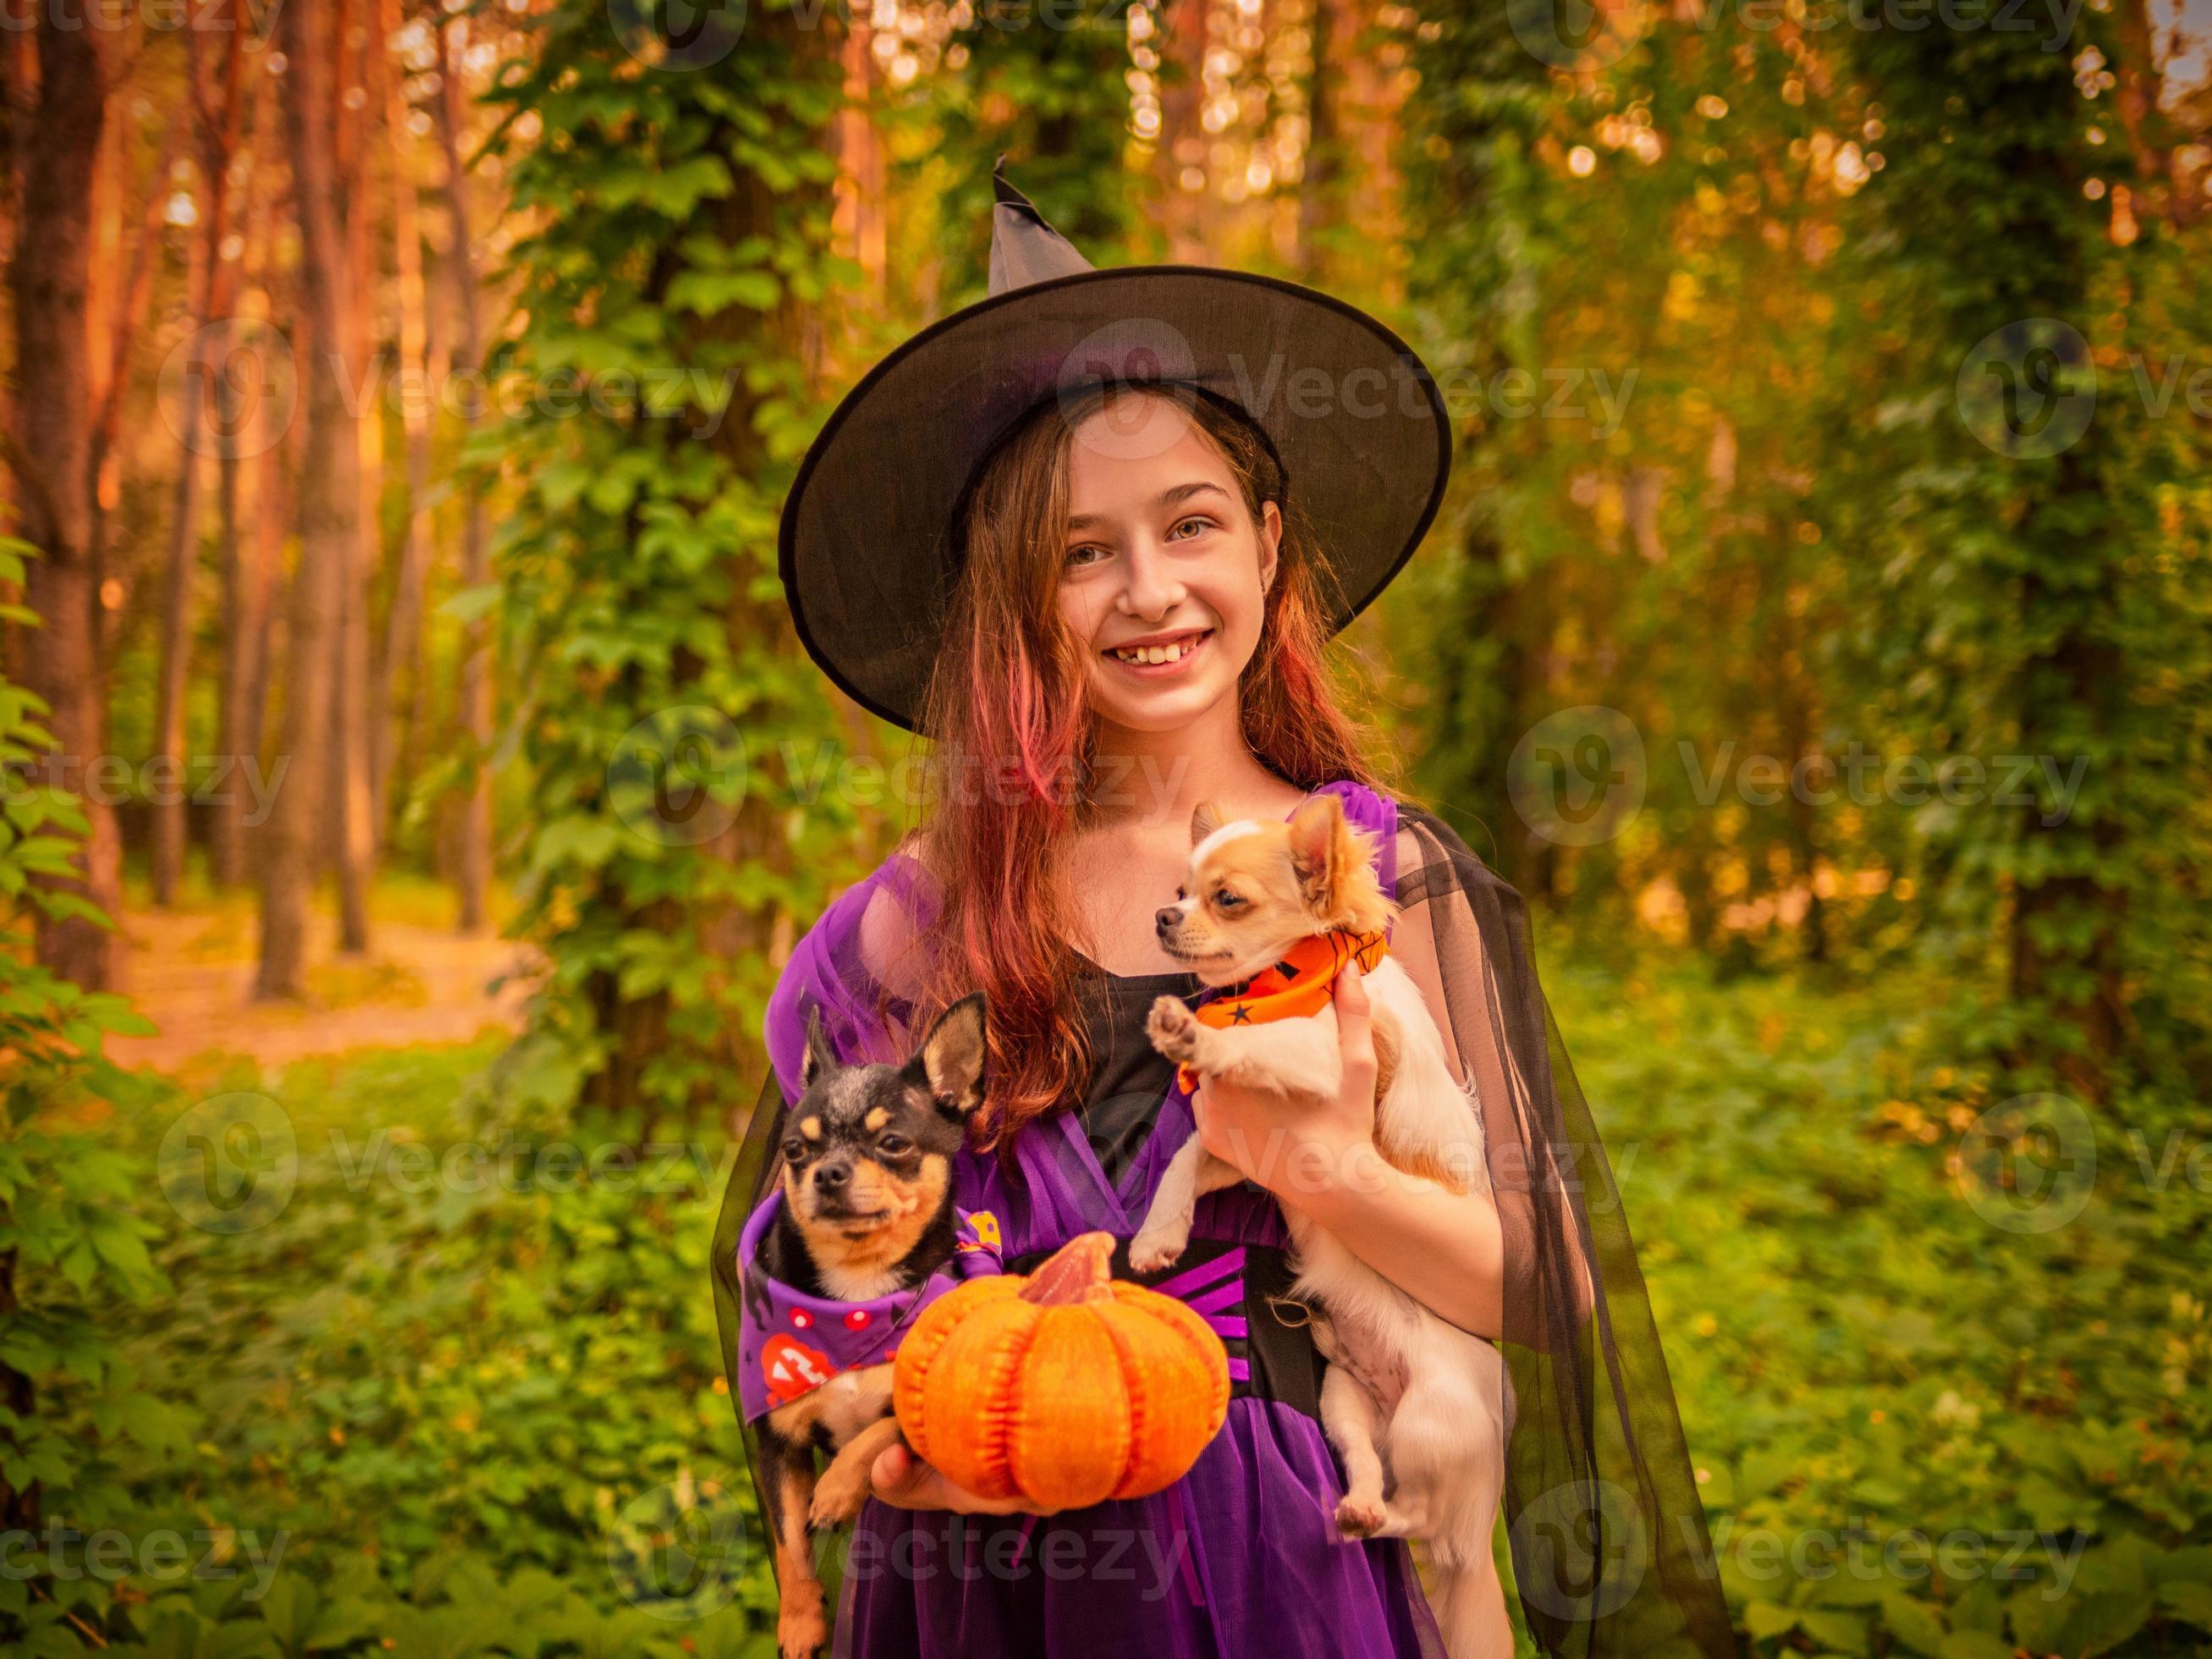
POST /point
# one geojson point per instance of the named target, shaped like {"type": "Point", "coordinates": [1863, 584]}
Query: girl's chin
{"type": "Point", "coordinates": [1168, 709]}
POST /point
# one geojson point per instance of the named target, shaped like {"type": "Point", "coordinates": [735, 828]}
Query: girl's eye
{"type": "Point", "coordinates": [894, 1145]}
{"type": "Point", "coordinates": [1076, 555]}
{"type": "Point", "coordinates": [1202, 522]}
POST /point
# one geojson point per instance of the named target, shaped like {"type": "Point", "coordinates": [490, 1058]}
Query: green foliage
{"type": "Point", "coordinates": [1918, 1428]}
{"type": "Point", "coordinates": [459, 1391]}
{"type": "Point", "coordinates": [459, 1608]}
{"type": "Point", "coordinates": [472, 1404]}
{"type": "Point", "coordinates": [1796, 540]}
{"type": "Point", "coordinates": [669, 728]}
{"type": "Point", "coordinates": [2052, 587]}
{"type": "Point", "coordinates": [1047, 86]}
{"type": "Point", "coordinates": [72, 1250]}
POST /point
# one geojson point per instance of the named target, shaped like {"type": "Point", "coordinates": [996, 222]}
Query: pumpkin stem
{"type": "Point", "coordinates": [1077, 1271]}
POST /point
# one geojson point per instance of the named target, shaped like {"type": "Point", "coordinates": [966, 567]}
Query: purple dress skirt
{"type": "Point", "coordinates": [1241, 1558]}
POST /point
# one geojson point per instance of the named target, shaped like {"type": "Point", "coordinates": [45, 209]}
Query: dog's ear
{"type": "Point", "coordinates": [951, 1058]}
{"type": "Point", "coordinates": [820, 1057]}
{"type": "Point", "coordinates": [1322, 850]}
{"type": "Point", "coordinates": [1204, 822]}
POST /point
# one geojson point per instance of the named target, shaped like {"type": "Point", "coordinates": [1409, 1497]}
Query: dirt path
{"type": "Point", "coordinates": [191, 973]}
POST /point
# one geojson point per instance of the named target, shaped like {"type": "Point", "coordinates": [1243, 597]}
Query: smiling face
{"type": "Point", "coordinates": [1166, 571]}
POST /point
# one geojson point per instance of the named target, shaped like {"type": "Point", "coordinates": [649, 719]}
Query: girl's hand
{"type": "Point", "coordinates": [904, 1481]}
{"type": "Point", "coordinates": [1287, 1146]}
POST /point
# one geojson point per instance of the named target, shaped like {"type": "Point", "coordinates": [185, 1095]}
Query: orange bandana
{"type": "Point", "coordinates": [1297, 988]}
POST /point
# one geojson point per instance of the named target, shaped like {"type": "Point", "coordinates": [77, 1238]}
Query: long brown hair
{"type": "Point", "coordinates": [1015, 736]}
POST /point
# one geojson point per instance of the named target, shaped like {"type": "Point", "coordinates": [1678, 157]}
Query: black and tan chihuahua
{"type": "Point", "coordinates": [867, 1214]}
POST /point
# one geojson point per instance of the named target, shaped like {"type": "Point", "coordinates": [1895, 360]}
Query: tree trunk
{"type": "Point", "coordinates": [169, 766]}
{"type": "Point", "coordinates": [121, 300]}
{"type": "Point", "coordinates": [252, 493]}
{"type": "Point", "coordinates": [218, 140]}
{"type": "Point", "coordinates": [16, 85]}
{"type": "Point", "coordinates": [1320, 189]}
{"type": "Point", "coordinates": [354, 844]}
{"type": "Point", "coordinates": [328, 507]}
{"type": "Point", "coordinates": [226, 848]}
{"type": "Point", "coordinates": [356, 840]}
{"type": "Point", "coordinates": [276, 497]}
{"type": "Point", "coordinates": [403, 631]}
{"type": "Point", "coordinates": [1801, 717]}
{"type": "Point", "coordinates": [2066, 918]}
{"type": "Point", "coordinates": [862, 220]}
{"type": "Point", "coordinates": [730, 931]}
{"type": "Point", "coordinates": [1183, 139]}
{"type": "Point", "coordinates": [472, 864]}
{"type": "Point", "coordinates": [53, 462]}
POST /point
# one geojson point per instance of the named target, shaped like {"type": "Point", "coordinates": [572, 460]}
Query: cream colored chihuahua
{"type": "Point", "coordinates": [1272, 908]}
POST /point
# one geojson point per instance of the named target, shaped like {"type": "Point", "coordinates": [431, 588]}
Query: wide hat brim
{"type": "Point", "coordinates": [867, 554]}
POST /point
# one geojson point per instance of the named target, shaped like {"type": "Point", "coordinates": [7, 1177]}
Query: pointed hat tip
{"type": "Point", "coordinates": [1024, 248]}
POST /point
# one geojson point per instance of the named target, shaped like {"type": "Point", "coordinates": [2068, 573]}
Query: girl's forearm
{"type": "Point", "coordinates": [1444, 1249]}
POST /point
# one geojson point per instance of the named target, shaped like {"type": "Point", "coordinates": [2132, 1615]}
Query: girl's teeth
{"type": "Point", "coordinates": [1157, 653]}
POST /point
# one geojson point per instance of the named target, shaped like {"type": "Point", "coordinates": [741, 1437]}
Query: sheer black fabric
{"type": "Point", "coordinates": [1611, 1553]}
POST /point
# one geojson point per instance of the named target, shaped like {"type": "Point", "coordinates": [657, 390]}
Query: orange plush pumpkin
{"type": "Point", "coordinates": [1063, 1387]}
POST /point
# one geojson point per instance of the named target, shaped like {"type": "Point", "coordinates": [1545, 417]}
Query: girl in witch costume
{"type": "Point", "coordinates": [1090, 536]}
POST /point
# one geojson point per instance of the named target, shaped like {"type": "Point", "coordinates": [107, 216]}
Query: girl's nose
{"type": "Point", "coordinates": [1151, 590]}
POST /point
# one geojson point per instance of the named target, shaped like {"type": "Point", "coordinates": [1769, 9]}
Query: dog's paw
{"type": "Point", "coordinates": [802, 1632]}
{"type": "Point", "coordinates": [1157, 1247]}
{"type": "Point", "coordinates": [1173, 1029]}
{"type": "Point", "coordinates": [838, 1496]}
{"type": "Point", "coordinates": [1359, 1517]}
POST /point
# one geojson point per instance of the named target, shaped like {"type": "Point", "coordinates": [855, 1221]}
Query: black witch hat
{"type": "Point", "coordinates": [869, 554]}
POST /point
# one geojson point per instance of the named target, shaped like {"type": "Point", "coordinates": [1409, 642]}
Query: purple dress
{"type": "Point", "coordinates": [1241, 1558]}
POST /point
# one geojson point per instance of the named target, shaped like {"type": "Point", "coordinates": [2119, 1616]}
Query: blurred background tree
{"type": "Point", "coordinates": [1736, 494]}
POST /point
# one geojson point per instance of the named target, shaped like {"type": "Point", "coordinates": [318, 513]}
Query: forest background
{"type": "Point", "coordinates": [413, 785]}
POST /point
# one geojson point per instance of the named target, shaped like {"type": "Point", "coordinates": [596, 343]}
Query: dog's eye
{"type": "Point", "coordinates": [894, 1145]}
{"type": "Point", "coordinates": [793, 1150]}
{"type": "Point", "coordinates": [1180, 894]}
{"type": "Point", "coordinates": [1227, 900]}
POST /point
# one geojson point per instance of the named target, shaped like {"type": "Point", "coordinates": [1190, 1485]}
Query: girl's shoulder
{"type": "Point", "coordinates": [1416, 851]}
{"type": "Point", "coordinates": [860, 966]}
{"type": "Point", "coordinates": [1375, 812]}
{"type": "Point", "coordinates": [1370, 807]}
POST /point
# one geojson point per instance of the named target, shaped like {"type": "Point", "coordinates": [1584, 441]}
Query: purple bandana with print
{"type": "Point", "coordinates": [790, 1344]}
